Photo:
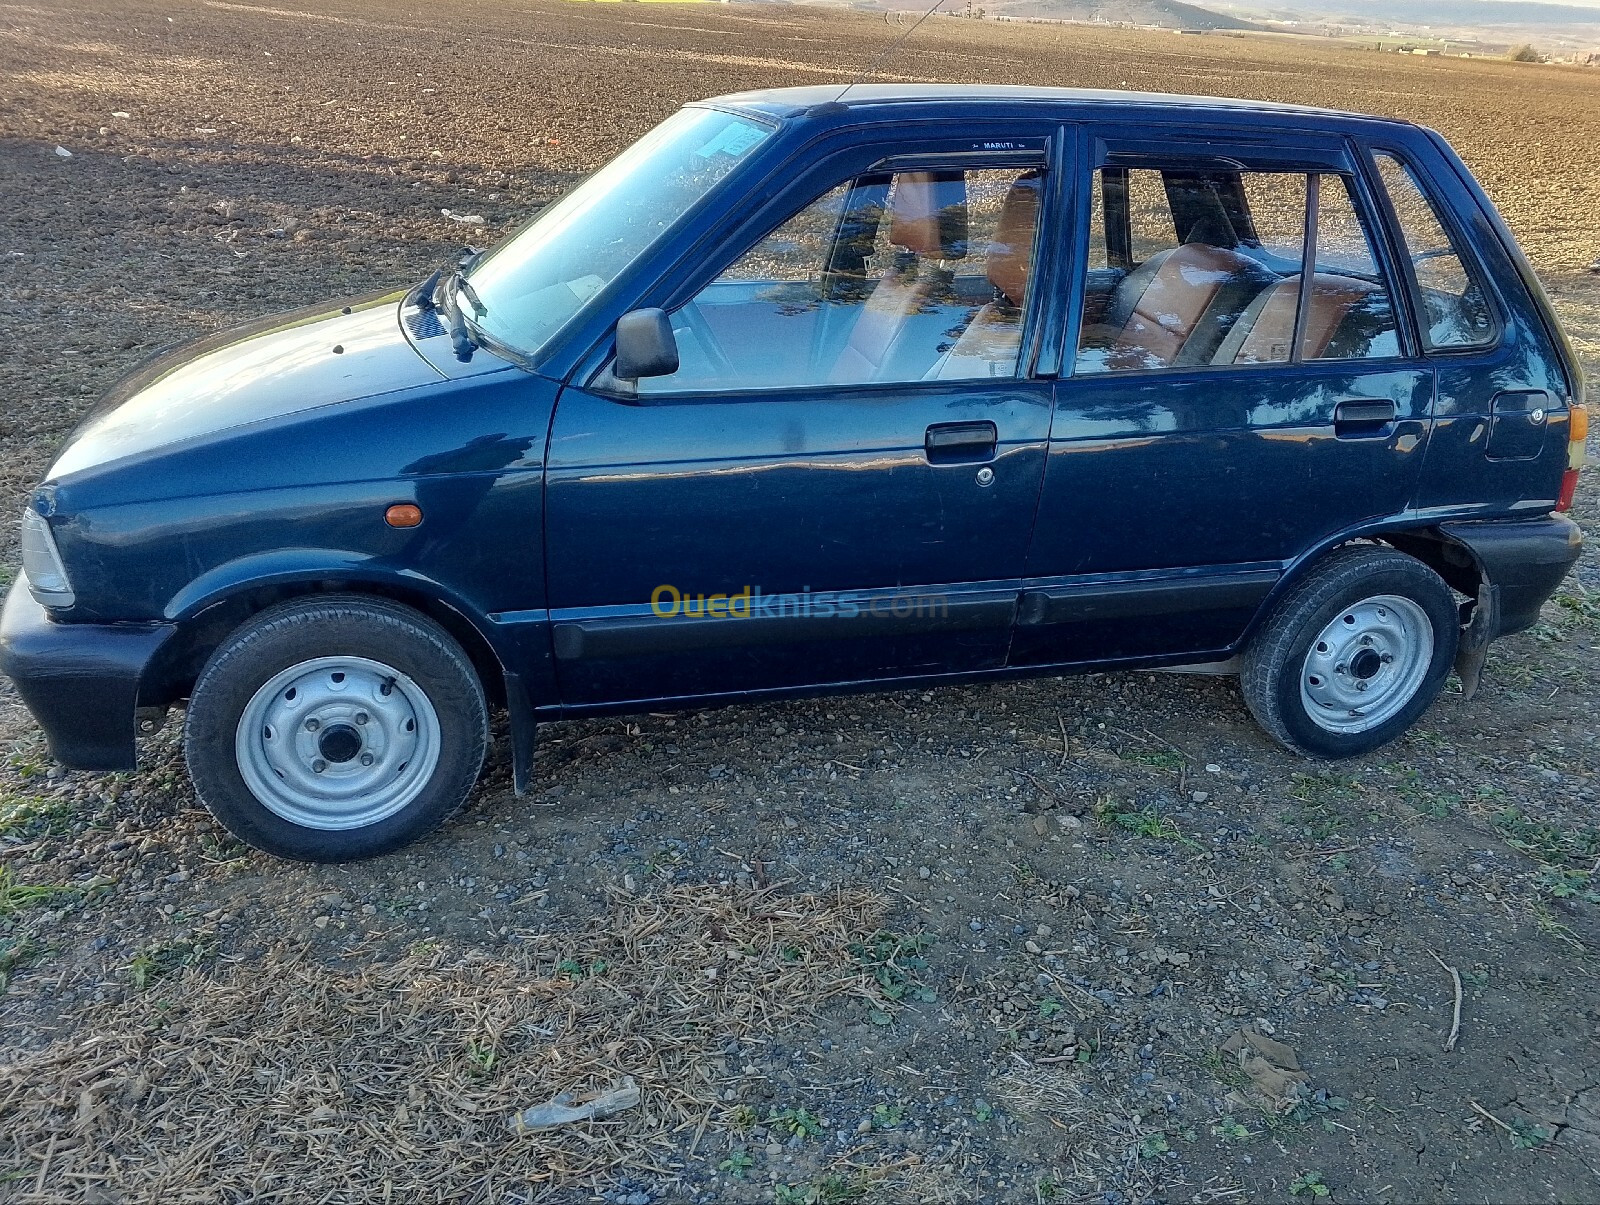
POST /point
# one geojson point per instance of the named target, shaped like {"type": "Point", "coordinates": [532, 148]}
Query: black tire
{"type": "Point", "coordinates": [301, 631]}
{"type": "Point", "coordinates": [1277, 657]}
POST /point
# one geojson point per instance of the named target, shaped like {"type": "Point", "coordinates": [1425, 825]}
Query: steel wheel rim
{"type": "Point", "coordinates": [1367, 664]}
{"type": "Point", "coordinates": [337, 743]}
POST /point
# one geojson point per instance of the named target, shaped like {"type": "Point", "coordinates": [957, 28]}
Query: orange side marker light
{"type": "Point", "coordinates": [403, 514]}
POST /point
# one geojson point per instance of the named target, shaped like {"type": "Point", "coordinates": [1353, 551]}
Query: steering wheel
{"type": "Point", "coordinates": [696, 322]}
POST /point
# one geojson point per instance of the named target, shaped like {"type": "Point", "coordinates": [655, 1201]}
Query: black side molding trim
{"type": "Point", "coordinates": [1152, 596]}
{"type": "Point", "coordinates": [914, 612]}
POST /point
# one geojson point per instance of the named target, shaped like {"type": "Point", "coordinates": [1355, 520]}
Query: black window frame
{"type": "Point", "coordinates": [1191, 150]}
{"type": "Point", "coordinates": [1463, 247]}
{"type": "Point", "coordinates": [1032, 152]}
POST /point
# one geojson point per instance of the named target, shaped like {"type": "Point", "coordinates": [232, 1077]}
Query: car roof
{"type": "Point", "coordinates": [969, 98]}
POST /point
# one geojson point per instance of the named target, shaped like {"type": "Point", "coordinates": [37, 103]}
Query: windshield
{"type": "Point", "coordinates": [537, 280]}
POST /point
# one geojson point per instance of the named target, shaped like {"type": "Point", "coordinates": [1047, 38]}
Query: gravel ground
{"type": "Point", "coordinates": [1092, 884]}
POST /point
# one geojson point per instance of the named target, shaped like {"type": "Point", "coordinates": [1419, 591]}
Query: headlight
{"type": "Point", "coordinates": [47, 577]}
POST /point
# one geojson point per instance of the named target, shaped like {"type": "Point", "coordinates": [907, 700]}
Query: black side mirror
{"type": "Point", "coordinates": [646, 346]}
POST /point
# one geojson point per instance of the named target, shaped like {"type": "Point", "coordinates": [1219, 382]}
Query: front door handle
{"type": "Point", "coordinates": [960, 443]}
{"type": "Point", "coordinates": [1362, 417]}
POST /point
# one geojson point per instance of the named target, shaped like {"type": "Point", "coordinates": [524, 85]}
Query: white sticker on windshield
{"type": "Point", "coordinates": [735, 139]}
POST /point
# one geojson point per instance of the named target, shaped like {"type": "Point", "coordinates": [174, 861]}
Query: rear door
{"type": "Point", "coordinates": [1228, 411]}
{"type": "Point", "coordinates": [838, 483]}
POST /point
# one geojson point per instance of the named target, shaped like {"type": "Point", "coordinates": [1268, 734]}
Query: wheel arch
{"type": "Point", "coordinates": [1450, 558]}
{"type": "Point", "coordinates": [205, 613]}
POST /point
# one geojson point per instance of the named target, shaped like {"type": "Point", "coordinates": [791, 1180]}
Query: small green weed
{"type": "Point", "coordinates": [580, 970]}
{"type": "Point", "coordinates": [15, 896]}
{"type": "Point", "coordinates": [1565, 883]}
{"type": "Point", "coordinates": [161, 959]}
{"type": "Point", "coordinates": [831, 1189]}
{"type": "Point", "coordinates": [1309, 1184]}
{"type": "Point", "coordinates": [796, 1122]}
{"type": "Point", "coordinates": [1230, 1130]}
{"type": "Point", "coordinates": [737, 1164]}
{"type": "Point", "coordinates": [1143, 822]}
{"type": "Point", "coordinates": [982, 1111]}
{"type": "Point", "coordinates": [1548, 843]}
{"type": "Point", "coordinates": [1154, 1146]}
{"type": "Point", "coordinates": [1527, 1136]}
{"type": "Point", "coordinates": [1316, 1106]}
{"type": "Point", "coordinates": [887, 1116]}
{"type": "Point", "coordinates": [1585, 608]}
{"type": "Point", "coordinates": [896, 963]}
{"type": "Point", "coordinates": [31, 816]}
{"type": "Point", "coordinates": [481, 1055]}
{"type": "Point", "coordinates": [1050, 1008]}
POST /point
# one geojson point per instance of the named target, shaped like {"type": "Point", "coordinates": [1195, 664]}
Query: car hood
{"type": "Point", "coordinates": [318, 356]}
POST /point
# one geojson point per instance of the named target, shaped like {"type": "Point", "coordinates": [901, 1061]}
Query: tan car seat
{"type": "Point", "coordinates": [927, 226]}
{"type": "Point", "coordinates": [990, 344]}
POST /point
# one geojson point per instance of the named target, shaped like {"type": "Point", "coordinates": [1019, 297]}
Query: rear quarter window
{"type": "Point", "coordinates": [1451, 301]}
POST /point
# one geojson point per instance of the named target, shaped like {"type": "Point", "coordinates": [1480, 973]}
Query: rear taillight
{"type": "Point", "coordinates": [1577, 443]}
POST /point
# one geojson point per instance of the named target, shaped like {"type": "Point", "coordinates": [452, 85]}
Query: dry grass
{"type": "Point", "coordinates": [394, 1081]}
{"type": "Point", "coordinates": [1098, 1145]}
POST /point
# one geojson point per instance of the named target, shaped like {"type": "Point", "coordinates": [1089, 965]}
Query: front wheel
{"type": "Point", "coordinates": [1353, 654]}
{"type": "Point", "coordinates": [336, 728]}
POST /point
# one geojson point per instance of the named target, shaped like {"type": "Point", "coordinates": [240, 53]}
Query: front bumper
{"type": "Point", "coordinates": [80, 680]}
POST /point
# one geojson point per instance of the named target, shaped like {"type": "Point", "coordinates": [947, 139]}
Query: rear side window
{"type": "Point", "coordinates": [1455, 311]}
{"type": "Point", "coordinates": [1192, 268]}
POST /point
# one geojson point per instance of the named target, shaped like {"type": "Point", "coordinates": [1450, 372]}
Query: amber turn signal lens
{"type": "Point", "coordinates": [403, 514]}
{"type": "Point", "coordinates": [1579, 430]}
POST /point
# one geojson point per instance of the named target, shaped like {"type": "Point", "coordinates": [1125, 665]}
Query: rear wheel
{"type": "Point", "coordinates": [336, 728]}
{"type": "Point", "coordinates": [1353, 654]}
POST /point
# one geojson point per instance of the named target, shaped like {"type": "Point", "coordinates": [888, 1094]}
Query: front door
{"type": "Point", "coordinates": [838, 483]}
{"type": "Point", "coordinates": [1229, 410]}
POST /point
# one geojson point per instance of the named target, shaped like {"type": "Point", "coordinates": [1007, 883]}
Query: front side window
{"type": "Point", "coordinates": [540, 278]}
{"type": "Point", "coordinates": [1193, 268]}
{"type": "Point", "coordinates": [911, 276]}
{"type": "Point", "coordinates": [1455, 312]}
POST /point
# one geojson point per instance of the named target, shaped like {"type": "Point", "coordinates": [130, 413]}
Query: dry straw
{"type": "Point", "coordinates": [285, 1080]}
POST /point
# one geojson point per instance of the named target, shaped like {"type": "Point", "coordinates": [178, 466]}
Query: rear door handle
{"type": "Point", "coordinates": [960, 443]}
{"type": "Point", "coordinates": [1361, 417]}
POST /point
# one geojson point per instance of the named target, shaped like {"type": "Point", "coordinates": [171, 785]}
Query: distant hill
{"type": "Point", "coordinates": [1167, 14]}
{"type": "Point", "coordinates": [1164, 14]}
{"type": "Point", "coordinates": [1447, 12]}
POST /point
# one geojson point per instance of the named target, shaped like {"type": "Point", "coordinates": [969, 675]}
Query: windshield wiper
{"type": "Point", "coordinates": [461, 340]}
{"type": "Point", "coordinates": [426, 290]}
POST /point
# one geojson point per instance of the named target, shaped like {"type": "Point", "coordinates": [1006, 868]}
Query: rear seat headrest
{"type": "Point", "coordinates": [1209, 222]}
{"type": "Point", "coordinates": [1011, 250]}
{"type": "Point", "coordinates": [928, 214]}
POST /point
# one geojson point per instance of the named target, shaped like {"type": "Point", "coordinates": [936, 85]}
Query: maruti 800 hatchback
{"type": "Point", "coordinates": [804, 394]}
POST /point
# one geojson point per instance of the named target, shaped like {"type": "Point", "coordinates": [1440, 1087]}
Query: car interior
{"type": "Point", "coordinates": [922, 276]}
{"type": "Point", "coordinates": [1225, 291]}
{"type": "Point", "coordinates": [906, 277]}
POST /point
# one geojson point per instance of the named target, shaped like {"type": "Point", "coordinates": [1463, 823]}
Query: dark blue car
{"type": "Point", "coordinates": [804, 393]}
